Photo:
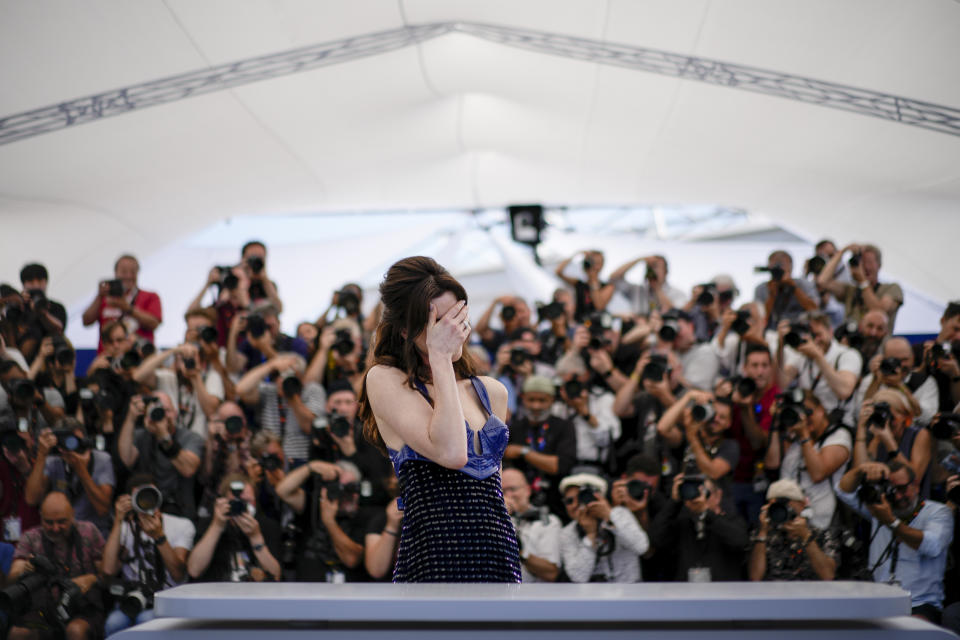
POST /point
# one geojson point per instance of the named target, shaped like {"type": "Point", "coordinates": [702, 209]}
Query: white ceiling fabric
{"type": "Point", "coordinates": [459, 121]}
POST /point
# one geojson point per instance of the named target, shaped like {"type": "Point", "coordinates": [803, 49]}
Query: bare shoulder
{"type": "Point", "coordinates": [380, 375]}
{"type": "Point", "coordinates": [497, 393]}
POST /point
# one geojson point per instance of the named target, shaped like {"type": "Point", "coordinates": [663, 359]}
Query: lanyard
{"type": "Point", "coordinates": [540, 442]}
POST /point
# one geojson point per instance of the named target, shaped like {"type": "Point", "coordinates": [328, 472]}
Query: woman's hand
{"type": "Point", "coordinates": [446, 335]}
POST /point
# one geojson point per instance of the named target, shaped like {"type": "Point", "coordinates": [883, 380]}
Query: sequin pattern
{"type": "Point", "coordinates": [455, 527]}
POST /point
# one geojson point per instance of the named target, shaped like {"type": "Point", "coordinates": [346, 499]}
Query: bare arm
{"type": "Point", "coordinates": [128, 453]}
{"type": "Point", "coordinates": [826, 278]}
{"type": "Point", "coordinates": [622, 270]}
{"type": "Point", "coordinates": [667, 425]}
{"type": "Point", "coordinates": [560, 269]}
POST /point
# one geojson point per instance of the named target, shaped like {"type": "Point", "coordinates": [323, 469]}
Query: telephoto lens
{"type": "Point", "coordinates": [702, 412]}
{"type": "Point", "coordinates": [146, 499]}
{"type": "Point", "coordinates": [233, 425]}
{"type": "Point", "coordinates": [780, 512]}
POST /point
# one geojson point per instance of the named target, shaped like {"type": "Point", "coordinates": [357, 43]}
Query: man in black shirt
{"type": "Point", "coordinates": [543, 446]}
{"type": "Point", "coordinates": [707, 542]}
{"type": "Point", "coordinates": [640, 491]}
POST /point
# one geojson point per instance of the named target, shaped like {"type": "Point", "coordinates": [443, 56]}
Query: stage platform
{"type": "Point", "coordinates": [677, 611]}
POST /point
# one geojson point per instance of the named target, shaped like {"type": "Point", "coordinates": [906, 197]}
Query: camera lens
{"type": "Point", "coordinates": [208, 334]}
{"type": "Point", "coordinates": [233, 425]}
{"type": "Point", "coordinates": [157, 413]}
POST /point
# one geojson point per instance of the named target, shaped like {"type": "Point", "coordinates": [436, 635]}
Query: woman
{"type": "Point", "coordinates": [442, 428]}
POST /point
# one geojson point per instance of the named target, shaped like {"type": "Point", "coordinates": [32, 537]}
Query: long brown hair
{"type": "Point", "coordinates": [406, 292]}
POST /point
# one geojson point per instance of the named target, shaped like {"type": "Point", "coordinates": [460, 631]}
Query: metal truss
{"type": "Point", "coordinates": [940, 118]}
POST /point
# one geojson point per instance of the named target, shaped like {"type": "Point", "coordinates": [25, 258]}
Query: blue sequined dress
{"type": "Point", "coordinates": [455, 525]}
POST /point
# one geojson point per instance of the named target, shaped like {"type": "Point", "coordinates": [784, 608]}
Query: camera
{"type": "Point", "coordinates": [114, 288]}
{"type": "Point", "coordinates": [134, 600]}
{"type": "Point", "coordinates": [889, 366]}
{"type": "Point", "coordinates": [270, 462]}
{"type": "Point", "coordinates": [155, 410]}
{"type": "Point", "coordinates": [946, 426]}
{"type": "Point", "coordinates": [691, 487]}
{"type": "Point", "coordinates": [228, 280]}
{"type": "Point", "coordinates": [815, 265]}
{"type": "Point", "coordinates": [940, 350]}
{"type": "Point", "coordinates": [146, 499]}
{"type": "Point", "coordinates": [587, 264]}
{"type": "Point", "coordinates": [337, 491]}
{"type": "Point", "coordinates": [598, 322]}
{"type": "Point", "coordinates": [68, 441]}
{"type": "Point", "coordinates": [343, 342]}
{"type": "Point", "coordinates": [790, 409]}
{"type": "Point", "coordinates": [519, 356]}
{"type": "Point", "coordinates": [706, 297]}
{"type": "Point", "coordinates": [256, 325]}
{"type": "Point", "coordinates": [851, 332]}
{"type": "Point", "coordinates": [880, 416]}
{"type": "Point", "coordinates": [780, 512]}
{"type": "Point", "coordinates": [349, 301]}
{"type": "Point", "coordinates": [776, 272]}
{"type": "Point", "coordinates": [745, 386]}
{"type": "Point", "coordinates": [63, 354]}
{"type": "Point", "coordinates": [702, 412]}
{"type": "Point", "coordinates": [338, 424]}
{"type": "Point", "coordinates": [799, 333]}
{"type": "Point", "coordinates": [238, 506]}
{"type": "Point", "coordinates": [291, 385]}
{"type": "Point", "coordinates": [208, 335]}
{"type": "Point", "coordinates": [22, 389]}
{"type": "Point", "coordinates": [854, 260]}
{"type": "Point", "coordinates": [638, 489]}
{"type": "Point", "coordinates": [586, 495]}
{"type": "Point", "coordinates": [669, 330]}
{"type": "Point", "coordinates": [508, 312]}
{"type": "Point", "coordinates": [874, 492]}
{"type": "Point", "coordinates": [655, 369]}
{"type": "Point", "coordinates": [38, 299]}
{"type": "Point", "coordinates": [550, 311]}
{"type": "Point", "coordinates": [573, 388]}
{"type": "Point", "coordinates": [17, 598]}
{"type": "Point", "coordinates": [233, 425]}
{"type": "Point", "coordinates": [189, 364]}
{"type": "Point", "coordinates": [741, 323]}
{"type": "Point", "coordinates": [256, 264]}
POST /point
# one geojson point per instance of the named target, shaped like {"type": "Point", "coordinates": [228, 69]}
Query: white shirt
{"type": "Point", "coordinates": [809, 377]}
{"type": "Point", "coordinates": [189, 404]}
{"type": "Point", "coordinates": [180, 533]}
{"type": "Point", "coordinates": [823, 501]}
{"type": "Point", "coordinates": [540, 539]}
{"type": "Point", "coordinates": [700, 366]}
{"type": "Point", "coordinates": [593, 442]}
{"type": "Point", "coordinates": [927, 396]}
{"type": "Point", "coordinates": [622, 565]}
{"type": "Point", "coordinates": [643, 299]}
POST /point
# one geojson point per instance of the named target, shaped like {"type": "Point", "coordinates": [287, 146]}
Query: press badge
{"type": "Point", "coordinates": [11, 528]}
{"type": "Point", "coordinates": [336, 577]}
{"type": "Point", "coordinates": [698, 574]}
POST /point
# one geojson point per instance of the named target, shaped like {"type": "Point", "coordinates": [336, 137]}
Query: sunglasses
{"type": "Point", "coordinates": [569, 501]}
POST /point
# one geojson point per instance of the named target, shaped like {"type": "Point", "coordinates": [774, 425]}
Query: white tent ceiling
{"type": "Point", "coordinates": [463, 121]}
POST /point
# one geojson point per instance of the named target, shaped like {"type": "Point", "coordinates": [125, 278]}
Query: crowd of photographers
{"type": "Point", "coordinates": [710, 436]}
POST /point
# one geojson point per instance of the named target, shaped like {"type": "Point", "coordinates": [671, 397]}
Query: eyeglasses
{"type": "Point", "coordinates": [899, 488]}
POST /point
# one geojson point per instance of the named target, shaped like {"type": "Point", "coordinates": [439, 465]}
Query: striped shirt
{"type": "Point", "coordinates": [276, 416]}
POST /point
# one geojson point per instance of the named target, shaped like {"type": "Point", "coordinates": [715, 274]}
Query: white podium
{"type": "Point", "coordinates": [673, 611]}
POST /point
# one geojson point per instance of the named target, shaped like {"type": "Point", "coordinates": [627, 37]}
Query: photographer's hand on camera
{"type": "Point", "coordinates": [45, 442]}
{"type": "Point", "coordinates": [122, 507]}
{"type": "Point", "coordinates": [221, 512]}
{"type": "Point", "coordinates": [152, 524]}
{"type": "Point", "coordinates": [620, 497]}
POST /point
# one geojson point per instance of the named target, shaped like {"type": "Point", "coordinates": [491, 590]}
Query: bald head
{"type": "Point", "coordinates": [900, 349]}
{"type": "Point", "coordinates": [874, 324]}
{"type": "Point", "coordinates": [56, 516]}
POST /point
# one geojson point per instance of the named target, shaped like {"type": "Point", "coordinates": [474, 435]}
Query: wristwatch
{"type": "Point", "coordinates": [896, 523]}
{"type": "Point", "coordinates": [524, 450]}
{"type": "Point", "coordinates": [258, 547]}
{"type": "Point", "coordinates": [160, 541]}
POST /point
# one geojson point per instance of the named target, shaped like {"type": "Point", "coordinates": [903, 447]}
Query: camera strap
{"type": "Point", "coordinates": [147, 575]}
{"type": "Point", "coordinates": [187, 409]}
{"type": "Point", "coordinates": [72, 544]}
{"type": "Point", "coordinates": [895, 553]}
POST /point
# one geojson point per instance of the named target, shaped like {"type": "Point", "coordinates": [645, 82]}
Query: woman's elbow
{"type": "Point", "coordinates": [452, 460]}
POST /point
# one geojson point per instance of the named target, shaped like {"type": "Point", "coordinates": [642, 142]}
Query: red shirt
{"type": "Point", "coordinates": [139, 299]}
{"type": "Point", "coordinates": [763, 414]}
{"type": "Point", "coordinates": [13, 502]}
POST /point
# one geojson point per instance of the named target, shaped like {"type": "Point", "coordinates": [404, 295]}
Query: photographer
{"type": "Point", "coordinates": [514, 314]}
{"type": "Point", "coordinates": [787, 546]}
{"type": "Point", "coordinates": [542, 445]}
{"type": "Point", "coordinates": [654, 385]}
{"type": "Point", "coordinates": [909, 536]}
{"type": "Point", "coordinates": [121, 300]}
{"type": "Point", "coordinates": [67, 462]}
{"type": "Point", "coordinates": [818, 363]}
{"type": "Point", "coordinates": [702, 421]}
{"type": "Point", "coordinates": [226, 452]}
{"type": "Point", "coordinates": [238, 544]}
{"type": "Point", "coordinates": [538, 531]}
{"type": "Point", "coordinates": [284, 405]}
{"type": "Point", "coordinates": [30, 407]}
{"type": "Point", "coordinates": [266, 468]}
{"type": "Point", "coordinates": [324, 496]}
{"type": "Point", "coordinates": [893, 369]}
{"type": "Point", "coordinates": [708, 304]}
{"type": "Point", "coordinates": [349, 300]}
{"type": "Point", "coordinates": [746, 325]}
{"type": "Point", "coordinates": [706, 542]}
{"type": "Point", "coordinates": [554, 339]}
{"type": "Point", "coordinates": [53, 371]}
{"type": "Point", "coordinates": [147, 549]}
{"type": "Point", "coordinates": [197, 387]}
{"type": "Point", "coordinates": [590, 409]}
{"type": "Point", "coordinates": [699, 360]}
{"type": "Point", "coordinates": [941, 357]}
{"type": "Point", "coordinates": [753, 396]}
{"type": "Point", "coordinates": [172, 455]}
{"type": "Point", "coordinates": [809, 449]}
{"type": "Point", "coordinates": [16, 514]}
{"type": "Point", "coordinates": [639, 491]}
{"type": "Point", "coordinates": [115, 342]}
{"type": "Point", "coordinates": [885, 433]}
{"type": "Point", "coordinates": [42, 317]}
{"type": "Point", "coordinates": [783, 297]}
{"type": "Point", "coordinates": [381, 542]}
{"type": "Point", "coordinates": [601, 543]}
{"type": "Point", "coordinates": [655, 293]}
{"type": "Point", "coordinates": [67, 553]}
{"type": "Point", "coordinates": [338, 355]}
{"type": "Point", "coordinates": [262, 339]}
{"type": "Point", "coordinates": [591, 295]}
{"type": "Point", "coordinates": [865, 293]}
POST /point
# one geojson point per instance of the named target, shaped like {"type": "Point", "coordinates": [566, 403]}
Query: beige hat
{"type": "Point", "coordinates": [785, 488]}
{"type": "Point", "coordinates": [581, 479]}
{"type": "Point", "coordinates": [539, 384]}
